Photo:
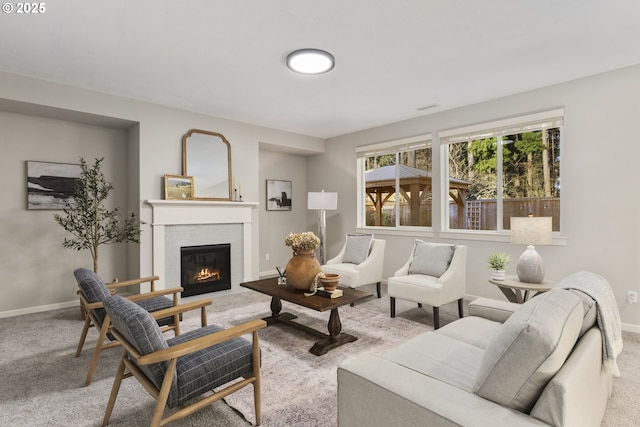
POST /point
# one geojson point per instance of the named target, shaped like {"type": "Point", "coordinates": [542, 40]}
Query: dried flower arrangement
{"type": "Point", "coordinates": [302, 241]}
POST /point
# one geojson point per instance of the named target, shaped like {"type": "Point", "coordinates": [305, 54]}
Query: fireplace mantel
{"type": "Point", "coordinates": [199, 212]}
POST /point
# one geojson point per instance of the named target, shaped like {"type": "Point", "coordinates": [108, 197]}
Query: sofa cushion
{"type": "Point", "coordinates": [357, 248]}
{"type": "Point", "coordinates": [431, 259]}
{"type": "Point", "coordinates": [589, 308]}
{"type": "Point", "coordinates": [472, 330]}
{"type": "Point", "coordinates": [529, 349]}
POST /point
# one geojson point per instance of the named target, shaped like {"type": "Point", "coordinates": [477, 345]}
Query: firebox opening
{"type": "Point", "coordinates": [205, 268]}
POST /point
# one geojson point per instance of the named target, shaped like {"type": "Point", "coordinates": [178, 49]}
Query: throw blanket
{"type": "Point", "coordinates": [607, 314]}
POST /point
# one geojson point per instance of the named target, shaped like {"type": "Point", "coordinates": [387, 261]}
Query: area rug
{"type": "Point", "coordinates": [299, 388]}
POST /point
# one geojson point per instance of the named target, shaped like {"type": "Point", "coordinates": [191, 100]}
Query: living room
{"type": "Point", "coordinates": [141, 142]}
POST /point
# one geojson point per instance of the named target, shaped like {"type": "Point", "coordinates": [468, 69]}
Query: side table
{"type": "Point", "coordinates": [512, 288]}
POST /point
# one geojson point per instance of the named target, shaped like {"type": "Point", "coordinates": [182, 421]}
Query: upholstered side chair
{"type": "Point", "coordinates": [93, 291]}
{"type": "Point", "coordinates": [179, 371]}
{"type": "Point", "coordinates": [359, 262]}
{"type": "Point", "coordinates": [434, 274]}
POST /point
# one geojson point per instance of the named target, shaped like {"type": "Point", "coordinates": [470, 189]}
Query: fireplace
{"type": "Point", "coordinates": [205, 268]}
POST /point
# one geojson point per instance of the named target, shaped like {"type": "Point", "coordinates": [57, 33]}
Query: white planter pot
{"type": "Point", "coordinates": [498, 274]}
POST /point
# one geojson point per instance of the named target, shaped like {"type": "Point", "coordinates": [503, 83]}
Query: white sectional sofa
{"type": "Point", "coordinates": [536, 364]}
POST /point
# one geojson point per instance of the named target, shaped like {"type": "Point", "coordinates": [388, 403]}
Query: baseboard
{"type": "Point", "coordinates": [630, 327]}
{"type": "Point", "coordinates": [40, 308]}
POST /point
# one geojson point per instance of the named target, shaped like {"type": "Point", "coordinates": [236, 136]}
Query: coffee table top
{"type": "Point", "coordinates": [315, 302]}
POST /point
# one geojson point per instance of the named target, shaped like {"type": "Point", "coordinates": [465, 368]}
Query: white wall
{"type": "Point", "coordinates": [599, 172]}
{"type": "Point", "coordinates": [153, 148]}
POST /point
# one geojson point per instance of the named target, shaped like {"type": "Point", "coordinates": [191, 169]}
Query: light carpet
{"type": "Point", "coordinates": [42, 381]}
{"type": "Point", "coordinates": [298, 387]}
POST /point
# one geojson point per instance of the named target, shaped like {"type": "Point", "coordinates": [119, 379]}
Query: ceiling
{"type": "Point", "coordinates": [226, 58]}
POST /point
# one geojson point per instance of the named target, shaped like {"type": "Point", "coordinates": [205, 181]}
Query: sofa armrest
{"type": "Point", "coordinates": [373, 391]}
{"type": "Point", "coordinates": [492, 309]}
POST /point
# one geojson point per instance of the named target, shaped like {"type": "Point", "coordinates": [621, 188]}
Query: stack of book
{"type": "Point", "coordinates": [329, 294]}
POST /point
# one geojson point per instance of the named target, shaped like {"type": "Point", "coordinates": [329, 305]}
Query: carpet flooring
{"type": "Point", "coordinates": [42, 381]}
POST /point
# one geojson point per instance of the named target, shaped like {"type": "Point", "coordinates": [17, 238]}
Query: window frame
{"type": "Point", "coordinates": [394, 147]}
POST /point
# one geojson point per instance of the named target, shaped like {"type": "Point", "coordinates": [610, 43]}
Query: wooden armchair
{"type": "Point", "coordinates": [93, 291]}
{"type": "Point", "coordinates": [177, 372]}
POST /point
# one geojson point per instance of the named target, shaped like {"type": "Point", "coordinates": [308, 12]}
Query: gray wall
{"type": "Point", "coordinates": [36, 270]}
{"type": "Point", "coordinates": [599, 174]}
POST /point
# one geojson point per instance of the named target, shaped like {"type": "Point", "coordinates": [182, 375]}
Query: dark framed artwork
{"type": "Point", "coordinates": [51, 185]}
{"type": "Point", "coordinates": [278, 195]}
{"type": "Point", "coordinates": [178, 187]}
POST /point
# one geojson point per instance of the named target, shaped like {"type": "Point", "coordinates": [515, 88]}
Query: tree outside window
{"type": "Point", "coordinates": [511, 174]}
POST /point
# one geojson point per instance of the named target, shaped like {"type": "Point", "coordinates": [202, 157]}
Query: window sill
{"type": "Point", "coordinates": [486, 236]}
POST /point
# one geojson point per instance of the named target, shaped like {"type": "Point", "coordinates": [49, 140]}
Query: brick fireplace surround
{"type": "Point", "coordinates": [194, 222]}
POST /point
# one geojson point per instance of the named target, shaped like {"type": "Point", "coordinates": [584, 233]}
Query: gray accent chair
{"type": "Point", "coordinates": [177, 372]}
{"type": "Point", "coordinates": [93, 291]}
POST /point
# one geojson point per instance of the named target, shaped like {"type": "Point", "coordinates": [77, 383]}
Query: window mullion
{"type": "Point", "coordinates": [499, 184]}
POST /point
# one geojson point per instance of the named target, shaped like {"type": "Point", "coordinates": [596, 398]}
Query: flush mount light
{"type": "Point", "coordinates": [310, 61]}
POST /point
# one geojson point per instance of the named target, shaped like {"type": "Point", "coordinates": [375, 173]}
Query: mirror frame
{"type": "Point", "coordinates": [185, 137]}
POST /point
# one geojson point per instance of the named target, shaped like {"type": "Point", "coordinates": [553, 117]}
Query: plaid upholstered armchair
{"type": "Point", "coordinates": [93, 291]}
{"type": "Point", "coordinates": [179, 370]}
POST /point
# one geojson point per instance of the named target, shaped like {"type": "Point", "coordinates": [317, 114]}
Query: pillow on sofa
{"type": "Point", "coordinates": [530, 348]}
{"type": "Point", "coordinates": [432, 259]}
{"type": "Point", "coordinates": [357, 248]}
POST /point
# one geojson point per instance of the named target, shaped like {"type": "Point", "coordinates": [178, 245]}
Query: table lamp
{"type": "Point", "coordinates": [322, 201]}
{"type": "Point", "coordinates": [531, 231]}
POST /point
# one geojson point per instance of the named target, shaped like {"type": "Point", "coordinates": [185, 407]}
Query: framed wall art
{"type": "Point", "coordinates": [178, 187]}
{"type": "Point", "coordinates": [51, 185]}
{"type": "Point", "coordinates": [278, 195]}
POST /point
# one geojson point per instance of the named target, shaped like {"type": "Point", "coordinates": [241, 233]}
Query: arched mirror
{"type": "Point", "coordinates": [206, 156]}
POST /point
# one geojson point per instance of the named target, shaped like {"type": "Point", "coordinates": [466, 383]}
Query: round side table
{"type": "Point", "coordinates": [513, 288]}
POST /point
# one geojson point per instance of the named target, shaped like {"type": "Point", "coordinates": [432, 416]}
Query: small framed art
{"type": "Point", "coordinates": [178, 187]}
{"type": "Point", "coordinates": [278, 195]}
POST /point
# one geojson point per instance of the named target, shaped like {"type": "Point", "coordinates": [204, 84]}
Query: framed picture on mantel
{"type": "Point", "coordinates": [278, 195]}
{"type": "Point", "coordinates": [178, 187]}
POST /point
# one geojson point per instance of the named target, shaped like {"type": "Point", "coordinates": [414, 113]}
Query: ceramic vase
{"type": "Point", "coordinates": [498, 274]}
{"type": "Point", "coordinates": [302, 270]}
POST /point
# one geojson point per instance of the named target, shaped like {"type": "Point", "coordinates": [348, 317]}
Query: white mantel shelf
{"type": "Point", "coordinates": [194, 212]}
{"type": "Point", "coordinates": [176, 212]}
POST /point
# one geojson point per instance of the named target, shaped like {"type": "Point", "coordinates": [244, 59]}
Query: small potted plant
{"type": "Point", "coordinates": [498, 262]}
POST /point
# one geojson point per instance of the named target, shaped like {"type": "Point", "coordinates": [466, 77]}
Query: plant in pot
{"type": "Point", "coordinates": [89, 221]}
{"type": "Point", "coordinates": [498, 262]}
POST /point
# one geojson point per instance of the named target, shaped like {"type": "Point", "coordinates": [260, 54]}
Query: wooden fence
{"type": "Point", "coordinates": [479, 215]}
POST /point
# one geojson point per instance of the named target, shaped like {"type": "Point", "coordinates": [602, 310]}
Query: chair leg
{"type": "Point", "coordinates": [393, 306]}
{"type": "Point", "coordinates": [257, 399]}
{"type": "Point", "coordinates": [378, 289]}
{"type": "Point", "coordinates": [460, 310]}
{"type": "Point", "coordinates": [114, 390]}
{"type": "Point", "coordinates": [436, 317]}
{"type": "Point", "coordinates": [419, 305]}
{"type": "Point", "coordinates": [164, 393]}
{"type": "Point", "coordinates": [83, 336]}
{"type": "Point", "coordinates": [96, 352]}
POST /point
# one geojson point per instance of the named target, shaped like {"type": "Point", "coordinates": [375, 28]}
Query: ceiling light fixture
{"type": "Point", "coordinates": [310, 61]}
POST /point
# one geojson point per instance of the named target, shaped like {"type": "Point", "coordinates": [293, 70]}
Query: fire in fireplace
{"type": "Point", "coordinates": [205, 268]}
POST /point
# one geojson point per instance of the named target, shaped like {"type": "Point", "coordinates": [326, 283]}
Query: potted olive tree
{"type": "Point", "coordinates": [498, 262]}
{"type": "Point", "coordinates": [89, 221]}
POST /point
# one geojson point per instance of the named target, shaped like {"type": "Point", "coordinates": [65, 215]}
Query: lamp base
{"type": "Point", "coordinates": [530, 268]}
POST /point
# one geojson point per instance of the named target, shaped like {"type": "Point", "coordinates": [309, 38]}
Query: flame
{"type": "Point", "coordinates": [206, 274]}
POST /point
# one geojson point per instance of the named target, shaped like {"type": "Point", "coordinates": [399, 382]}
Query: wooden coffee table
{"type": "Point", "coordinates": [327, 342]}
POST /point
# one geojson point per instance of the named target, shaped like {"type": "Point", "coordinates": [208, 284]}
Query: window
{"type": "Point", "coordinates": [395, 183]}
{"type": "Point", "coordinates": [503, 169]}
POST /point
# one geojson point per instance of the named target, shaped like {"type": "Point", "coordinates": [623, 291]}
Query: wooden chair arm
{"type": "Point", "coordinates": [154, 294]}
{"type": "Point", "coordinates": [202, 342]}
{"type": "Point", "coordinates": [181, 308]}
{"type": "Point", "coordinates": [115, 285]}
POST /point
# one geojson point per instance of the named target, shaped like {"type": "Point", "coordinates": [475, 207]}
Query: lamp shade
{"type": "Point", "coordinates": [322, 200]}
{"type": "Point", "coordinates": [531, 230]}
